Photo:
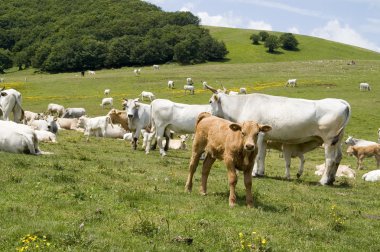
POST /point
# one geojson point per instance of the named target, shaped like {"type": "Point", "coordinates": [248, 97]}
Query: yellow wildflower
{"type": "Point", "coordinates": [241, 235]}
{"type": "Point", "coordinates": [263, 241]}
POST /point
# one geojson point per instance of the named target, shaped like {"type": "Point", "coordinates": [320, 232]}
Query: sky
{"type": "Point", "coordinates": [354, 22]}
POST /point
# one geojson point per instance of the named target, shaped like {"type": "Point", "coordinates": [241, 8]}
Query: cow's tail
{"type": "Point", "coordinates": [201, 116]}
{"type": "Point", "coordinates": [341, 130]}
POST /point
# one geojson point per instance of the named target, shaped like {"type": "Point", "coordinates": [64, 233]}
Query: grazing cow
{"type": "Point", "coordinates": [171, 84]}
{"type": "Point", "coordinates": [107, 101]}
{"type": "Point", "coordinates": [372, 176]}
{"type": "Point", "coordinates": [156, 67]}
{"type": "Point", "coordinates": [233, 143]}
{"type": "Point", "coordinates": [189, 81]}
{"type": "Point", "coordinates": [45, 136]}
{"type": "Point", "coordinates": [148, 95]}
{"type": "Point", "coordinates": [18, 138]}
{"type": "Point", "coordinates": [364, 87]}
{"type": "Point", "coordinates": [137, 71]}
{"type": "Point", "coordinates": [30, 116]}
{"type": "Point", "coordinates": [74, 112]}
{"type": "Point", "coordinates": [55, 109]}
{"type": "Point", "coordinates": [96, 125]}
{"type": "Point", "coordinates": [310, 120]}
{"type": "Point", "coordinates": [168, 115]}
{"type": "Point", "coordinates": [291, 83]}
{"type": "Point", "coordinates": [361, 152]}
{"type": "Point", "coordinates": [189, 88]}
{"type": "Point", "coordinates": [10, 102]}
{"type": "Point", "coordinates": [67, 123]}
{"type": "Point", "coordinates": [119, 117]}
{"type": "Point", "coordinates": [91, 72]}
{"type": "Point", "coordinates": [243, 90]}
{"type": "Point", "coordinates": [343, 171]}
{"type": "Point", "coordinates": [233, 93]}
{"type": "Point", "coordinates": [107, 91]}
{"type": "Point", "coordinates": [358, 142]}
{"type": "Point", "coordinates": [48, 124]}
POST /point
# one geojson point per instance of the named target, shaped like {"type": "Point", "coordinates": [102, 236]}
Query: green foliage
{"type": "Point", "coordinates": [263, 35]}
{"type": "Point", "coordinates": [255, 38]}
{"type": "Point", "coordinates": [5, 60]}
{"type": "Point", "coordinates": [272, 43]}
{"type": "Point", "coordinates": [59, 36]}
{"type": "Point", "coordinates": [288, 41]}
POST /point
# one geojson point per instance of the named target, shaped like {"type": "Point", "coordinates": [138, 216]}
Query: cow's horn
{"type": "Point", "coordinates": [2, 89]}
{"type": "Point", "coordinates": [211, 88]}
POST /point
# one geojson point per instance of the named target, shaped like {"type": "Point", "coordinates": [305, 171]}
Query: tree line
{"type": "Point", "coordinates": [286, 40]}
{"type": "Point", "coordinates": [59, 36]}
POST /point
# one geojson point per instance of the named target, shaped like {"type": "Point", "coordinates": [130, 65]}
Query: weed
{"type": "Point", "coordinates": [253, 242]}
{"type": "Point", "coordinates": [145, 227]}
{"type": "Point", "coordinates": [337, 219]}
{"type": "Point", "coordinates": [34, 242]}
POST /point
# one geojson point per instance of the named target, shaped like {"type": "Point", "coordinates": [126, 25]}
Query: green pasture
{"type": "Point", "coordinates": [103, 196]}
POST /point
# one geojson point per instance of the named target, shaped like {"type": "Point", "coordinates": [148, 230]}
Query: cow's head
{"type": "Point", "coordinates": [131, 107]}
{"type": "Point", "coordinates": [249, 133]}
{"type": "Point", "coordinates": [349, 141]}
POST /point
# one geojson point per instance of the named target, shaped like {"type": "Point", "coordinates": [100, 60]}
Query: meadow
{"type": "Point", "coordinates": [103, 196]}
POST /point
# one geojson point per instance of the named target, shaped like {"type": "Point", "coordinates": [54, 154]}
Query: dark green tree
{"type": "Point", "coordinates": [20, 59]}
{"type": "Point", "coordinates": [255, 38]}
{"type": "Point", "coordinates": [5, 60]}
{"type": "Point", "coordinates": [272, 43]}
{"type": "Point", "coordinates": [263, 35]}
{"type": "Point", "coordinates": [288, 41]}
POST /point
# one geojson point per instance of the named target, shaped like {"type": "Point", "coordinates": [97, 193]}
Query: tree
{"type": "Point", "coordinates": [5, 60]}
{"type": "Point", "coordinates": [255, 39]}
{"type": "Point", "coordinates": [288, 41]}
{"type": "Point", "coordinates": [272, 43]}
{"type": "Point", "coordinates": [263, 35]}
{"type": "Point", "coordinates": [21, 58]}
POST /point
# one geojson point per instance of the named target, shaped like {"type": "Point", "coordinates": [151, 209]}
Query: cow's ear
{"type": "Point", "coordinates": [215, 97]}
{"type": "Point", "coordinates": [3, 94]}
{"type": "Point", "coordinates": [265, 128]}
{"type": "Point", "coordinates": [235, 126]}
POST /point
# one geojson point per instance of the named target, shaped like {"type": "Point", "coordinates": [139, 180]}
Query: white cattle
{"type": "Point", "coordinates": [233, 93]}
{"type": "Point", "coordinates": [189, 88]}
{"type": "Point", "coordinates": [177, 144]}
{"type": "Point", "coordinates": [107, 101]}
{"type": "Point", "coordinates": [156, 67]}
{"type": "Point", "coordinates": [67, 123]}
{"type": "Point", "coordinates": [364, 87]}
{"type": "Point", "coordinates": [10, 102]}
{"type": "Point", "coordinates": [358, 142]}
{"type": "Point", "coordinates": [189, 81]}
{"type": "Point", "coordinates": [45, 136]}
{"type": "Point", "coordinates": [168, 115]}
{"type": "Point", "coordinates": [107, 91]}
{"type": "Point", "coordinates": [18, 138]}
{"type": "Point", "coordinates": [90, 72]}
{"type": "Point", "coordinates": [343, 171]}
{"type": "Point", "coordinates": [137, 71]}
{"type": "Point", "coordinates": [128, 136]}
{"type": "Point", "coordinates": [372, 176]}
{"type": "Point", "coordinates": [146, 94]}
{"type": "Point", "coordinates": [291, 83]}
{"type": "Point", "coordinates": [96, 125]}
{"type": "Point", "coordinates": [55, 109]}
{"type": "Point", "coordinates": [293, 121]}
{"type": "Point", "coordinates": [243, 90]}
{"type": "Point", "coordinates": [74, 112]}
{"type": "Point", "coordinates": [30, 116]}
{"type": "Point", "coordinates": [48, 124]}
{"type": "Point", "coordinates": [171, 84]}
{"type": "Point", "coordinates": [112, 131]}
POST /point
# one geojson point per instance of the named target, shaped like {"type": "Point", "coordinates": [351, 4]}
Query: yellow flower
{"type": "Point", "coordinates": [48, 244]}
{"type": "Point", "coordinates": [253, 232]}
{"type": "Point", "coordinates": [263, 241]}
{"type": "Point", "coordinates": [241, 235]}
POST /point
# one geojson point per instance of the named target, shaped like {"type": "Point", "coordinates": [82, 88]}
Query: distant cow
{"type": "Point", "coordinates": [156, 67]}
{"type": "Point", "coordinates": [378, 133]}
{"type": "Point", "coordinates": [243, 90]}
{"type": "Point", "coordinates": [67, 123]}
{"type": "Point", "coordinates": [55, 109]}
{"type": "Point", "coordinates": [234, 143]}
{"type": "Point", "coordinates": [107, 91]}
{"type": "Point", "coordinates": [170, 84]}
{"type": "Point", "coordinates": [91, 72]}
{"type": "Point", "coordinates": [358, 142]}
{"type": "Point", "coordinates": [45, 136]}
{"type": "Point", "coordinates": [372, 176]}
{"type": "Point", "coordinates": [233, 93]}
{"type": "Point", "coordinates": [96, 125]}
{"type": "Point", "coordinates": [291, 83]}
{"type": "Point", "coordinates": [189, 81]}
{"type": "Point", "coordinates": [189, 88]}
{"type": "Point", "coordinates": [364, 87]}
{"type": "Point", "coordinates": [149, 95]}
{"type": "Point", "coordinates": [30, 116]}
{"type": "Point", "coordinates": [137, 71]}
{"type": "Point", "coordinates": [107, 101]}
{"type": "Point", "coordinates": [343, 171]}
{"type": "Point", "coordinates": [48, 124]}
{"type": "Point", "coordinates": [74, 112]}
{"type": "Point", "coordinates": [361, 152]}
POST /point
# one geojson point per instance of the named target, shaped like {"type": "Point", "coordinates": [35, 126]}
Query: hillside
{"type": "Point", "coordinates": [310, 48]}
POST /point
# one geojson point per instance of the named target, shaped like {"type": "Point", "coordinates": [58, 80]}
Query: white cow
{"type": "Point", "coordinates": [96, 125]}
{"type": "Point", "coordinates": [55, 109]}
{"type": "Point", "coordinates": [112, 131]}
{"type": "Point", "coordinates": [177, 144]}
{"type": "Point", "coordinates": [189, 81]}
{"type": "Point", "coordinates": [364, 87]}
{"type": "Point", "coordinates": [74, 112]}
{"type": "Point", "coordinates": [243, 90]}
{"type": "Point", "coordinates": [45, 136]}
{"type": "Point", "coordinates": [137, 71]}
{"type": "Point", "coordinates": [68, 123]}
{"type": "Point", "coordinates": [146, 94]}
{"type": "Point", "coordinates": [90, 72]}
{"type": "Point", "coordinates": [48, 124]}
{"type": "Point", "coordinates": [107, 91]}
{"type": "Point", "coordinates": [291, 83]}
{"type": "Point", "coordinates": [156, 67]}
{"type": "Point", "coordinates": [18, 138]}
{"type": "Point", "coordinates": [233, 93]}
{"type": "Point", "coordinates": [30, 116]}
{"type": "Point", "coordinates": [171, 84]}
{"type": "Point", "coordinates": [293, 121]}
{"type": "Point", "coordinates": [343, 171]}
{"type": "Point", "coordinates": [189, 88]}
{"type": "Point", "coordinates": [107, 101]}
{"type": "Point", "coordinates": [372, 176]}
{"type": "Point", "coordinates": [358, 142]}
{"type": "Point", "coordinates": [168, 115]}
{"type": "Point", "coordinates": [10, 102]}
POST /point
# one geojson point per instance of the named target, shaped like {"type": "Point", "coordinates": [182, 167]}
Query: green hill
{"type": "Point", "coordinates": [241, 50]}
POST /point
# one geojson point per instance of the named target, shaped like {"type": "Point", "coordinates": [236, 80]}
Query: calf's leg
{"type": "Point", "coordinates": [248, 186]}
{"type": "Point", "coordinates": [192, 168]}
{"type": "Point", "coordinates": [207, 163]}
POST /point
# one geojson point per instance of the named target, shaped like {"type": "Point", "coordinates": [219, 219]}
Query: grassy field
{"type": "Point", "coordinates": [102, 196]}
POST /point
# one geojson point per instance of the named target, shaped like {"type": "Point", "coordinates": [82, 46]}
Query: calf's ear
{"type": "Point", "coordinates": [235, 126]}
{"type": "Point", "coordinates": [265, 128]}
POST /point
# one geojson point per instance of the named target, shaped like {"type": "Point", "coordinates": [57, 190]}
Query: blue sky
{"type": "Point", "coordinates": [355, 22]}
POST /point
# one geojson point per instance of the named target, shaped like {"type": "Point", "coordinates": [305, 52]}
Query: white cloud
{"type": "Point", "coordinates": [225, 20]}
{"type": "Point", "coordinates": [259, 25]}
{"type": "Point", "coordinates": [333, 30]}
{"type": "Point", "coordinates": [294, 30]}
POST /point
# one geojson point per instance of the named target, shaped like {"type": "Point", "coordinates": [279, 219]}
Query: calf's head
{"type": "Point", "coordinates": [249, 133]}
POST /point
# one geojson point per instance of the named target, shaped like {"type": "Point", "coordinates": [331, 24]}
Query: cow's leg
{"type": "Point", "coordinates": [232, 180]}
{"type": "Point", "coordinates": [360, 162]}
{"type": "Point", "coordinates": [377, 161]}
{"type": "Point", "coordinates": [135, 138]}
{"type": "Point", "coordinates": [192, 168]}
{"type": "Point", "coordinates": [258, 168]}
{"type": "Point", "coordinates": [248, 186]}
{"type": "Point", "coordinates": [288, 160]}
{"type": "Point", "coordinates": [167, 138]}
{"type": "Point", "coordinates": [302, 163]}
{"type": "Point", "coordinates": [333, 155]}
{"type": "Point", "coordinates": [207, 163]}
{"type": "Point", "coordinates": [160, 131]}
{"type": "Point", "coordinates": [149, 140]}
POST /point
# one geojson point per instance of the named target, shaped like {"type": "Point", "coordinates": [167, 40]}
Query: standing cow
{"type": "Point", "coordinates": [10, 102]}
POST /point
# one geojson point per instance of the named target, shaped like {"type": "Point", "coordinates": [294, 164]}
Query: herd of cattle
{"type": "Point", "coordinates": [231, 127]}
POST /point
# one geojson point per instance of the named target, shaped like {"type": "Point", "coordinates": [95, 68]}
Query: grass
{"type": "Point", "coordinates": [102, 196]}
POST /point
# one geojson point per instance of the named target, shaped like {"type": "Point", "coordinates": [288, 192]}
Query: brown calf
{"type": "Point", "coordinates": [119, 117]}
{"type": "Point", "coordinates": [234, 143]}
{"type": "Point", "coordinates": [361, 152]}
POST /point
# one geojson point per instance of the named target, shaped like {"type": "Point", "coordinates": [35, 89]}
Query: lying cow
{"type": "Point", "coordinates": [343, 171]}
{"type": "Point", "coordinates": [372, 176]}
{"type": "Point", "coordinates": [67, 123]}
{"type": "Point", "coordinates": [361, 152]}
{"type": "Point", "coordinates": [45, 136]}
{"type": "Point", "coordinates": [114, 131]}
{"type": "Point", "coordinates": [74, 112]}
{"type": "Point", "coordinates": [234, 143]}
{"type": "Point", "coordinates": [107, 91]}
{"type": "Point", "coordinates": [96, 125]}
{"type": "Point", "coordinates": [55, 109]}
{"type": "Point", "coordinates": [48, 124]}
{"type": "Point", "coordinates": [30, 116]}
{"type": "Point", "coordinates": [177, 144]}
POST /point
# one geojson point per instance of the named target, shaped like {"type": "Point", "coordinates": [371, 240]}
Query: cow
{"type": "Point", "coordinates": [68, 123]}
{"type": "Point", "coordinates": [357, 141]}
{"type": "Point", "coordinates": [30, 116]}
{"type": "Point", "coordinates": [10, 102]}
{"type": "Point", "coordinates": [291, 83]}
{"type": "Point", "coordinates": [170, 84]}
{"type": "Point", "coordinates": [343, 171]}
{"type": "Point", "coordinates": [107, 101]}
{"type": "Point", "coordinates": [73, 112]}
{"type": "Point", "coordinates": [364, 87]}
{"type": "Point", "coordinates": [119, 117]}
{"type": "Point", "coordinates": [293, 120]}
{"type": "Point", "coordinates": [107, 91]}
{"type": "Point", "coordinates": [234, 143]}
{"type": "Point", "coordinates": [96, 125]}
{"type": "Point", "coordinates": [189, 81]}
{"type": "Point", "coordinates": [189, 88]}
{"type": "Point", "coordinates": [114, 131]}
{"type": "Point", "coordinates": [90, 72]}
{"type": "Point", "coordinates": [242, 90]}
{"type": "Point", "coordinates": [233, 93]}
{"type": "Point", "coordinates": [137, 71]}
{"type": "Point", "coordinates": [372, 176]}
{"type": "Point", "coordinates": [48, 124]}
{"type": "Point", "coordinates": [18, 138]}
{"type": "Point", "coordinates": [178, 144]}
{"type": "Point", "coordinates": [55, 109]}
{"type": "Point", "coordinates": [361, 152]}
{"type": "Point", "coordinates": [146, 94]}
{"type": "Point", "coordinates": [179, 117]}
{"type": "Point", "coordinates": [156, 67]}
{"type": "Point", "coordinates": [45, 136]}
